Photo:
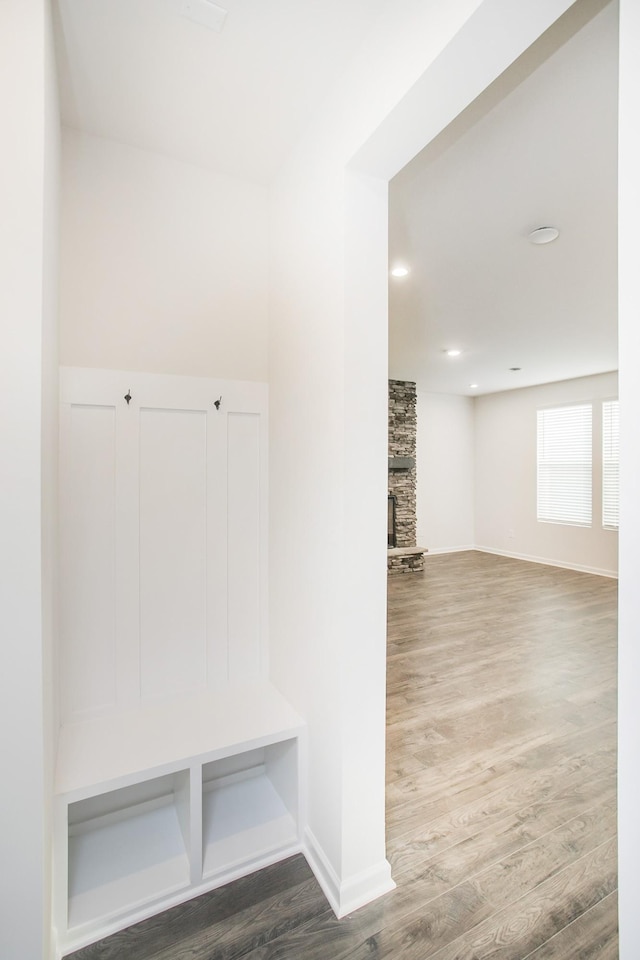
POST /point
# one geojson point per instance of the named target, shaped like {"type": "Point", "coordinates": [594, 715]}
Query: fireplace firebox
{"type": "Point", "coordinates": [391, 521]}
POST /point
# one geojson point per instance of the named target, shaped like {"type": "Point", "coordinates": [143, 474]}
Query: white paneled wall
{"type": "Point", "coordinates": [243, 542]}
{"type": "Point", "coordinates": [163, 537]}
{"type": "Point", "coordinates": [88, 552]}
{"type": "Point", "coordinates": [173, 551]}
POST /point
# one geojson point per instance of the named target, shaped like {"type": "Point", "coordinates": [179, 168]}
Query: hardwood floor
{"type": "Point", "coordinates": [501, 815]}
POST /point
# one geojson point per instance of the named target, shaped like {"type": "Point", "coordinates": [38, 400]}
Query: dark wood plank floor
{"type": "Point", "coordinates": [501, 796]}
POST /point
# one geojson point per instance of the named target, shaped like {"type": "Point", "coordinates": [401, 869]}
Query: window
{"type": "Point", "coordinates": [564, 464]}
{"type": "Point", "coordinates": [610, 468]}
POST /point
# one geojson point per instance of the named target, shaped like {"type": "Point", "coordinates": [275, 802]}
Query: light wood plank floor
{"type": "Point", "coordinates": [501, 789]}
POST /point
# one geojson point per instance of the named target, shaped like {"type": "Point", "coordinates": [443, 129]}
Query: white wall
{"type": "Point", "coordinates": [505, 490]}
{"type": "Point", "coordinates": [163, 264]}
{"type": "Point", "coordinates": [476, 485]}
{"type": "Point", "coordinates": [50, 425]}
{"type": "Point", "coordinates": [27, 517]}
{"type": "Point", "coordinates": [445, 464]}
{"type": "Point", "coordinates": [629, 625]}
{"type": "Point", "coordinates": [327, 567]}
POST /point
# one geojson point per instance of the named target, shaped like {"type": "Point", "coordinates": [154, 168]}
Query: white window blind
{"type": "Point", "coordinates": [610, 461]}
{"type": "Point", "coordinates": [564, 464]}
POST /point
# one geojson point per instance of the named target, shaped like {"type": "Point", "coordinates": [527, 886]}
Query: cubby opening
{"type": "Point", "coordinates": [128, 847]}
{"type": "Point", "coordinates": [249, 807]}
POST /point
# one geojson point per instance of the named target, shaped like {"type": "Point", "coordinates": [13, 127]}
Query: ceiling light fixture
{"type": "Point", "coordinates": [544, 234]}
{"type": "Point", "coordinates": [473, 386]}
{"type": "Point", "coordinates": [515, 369]}
{"type": "Point", "coordinates": [453, 353]}
{"type": "Point", "coordinates": [400, 271]}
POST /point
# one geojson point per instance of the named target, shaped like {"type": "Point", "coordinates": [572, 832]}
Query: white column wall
{"type": "Point", "coordinates": [445, 466]}
{"type": "Point", "coordinates": [305, 515]}
{"type": "Point", "coordinates": [50, 406]}
{"type": "Point", "coordinates": [365, 521]}
{"type": "Point", "coordinates": [326, 646]}
{"type": "Point", "coordinates": [27, 515]}
{"type": "Point", "coordinates": [328, 386]}
{"type": "Point", "coordinates": [629, 339]}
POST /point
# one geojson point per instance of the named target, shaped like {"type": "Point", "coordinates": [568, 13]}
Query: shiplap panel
{"type": "Point", "coordinates": [88, 543]}
{"type": "Point", "coordinates": [168, 568]}
{"type": "Point", "coordinates": [173, 555]}
{"type": "Point", "coordinates": [218, 652]}
{"type": "Point", "coordinates": [243, 544]}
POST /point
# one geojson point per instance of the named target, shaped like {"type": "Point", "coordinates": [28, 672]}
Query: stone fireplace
{"type": "Point", "coordinates": [403, 553]}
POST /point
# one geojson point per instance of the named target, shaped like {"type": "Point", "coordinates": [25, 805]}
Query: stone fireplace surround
{"type": "Point", "coordinates": [406, 557]}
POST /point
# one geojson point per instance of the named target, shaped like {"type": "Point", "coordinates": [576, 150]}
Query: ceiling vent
{"type": "Point", "coordinates": [205, 13]}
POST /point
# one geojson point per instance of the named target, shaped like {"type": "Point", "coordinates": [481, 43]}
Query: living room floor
{"type": "Point", "coordinates": [501, 793]}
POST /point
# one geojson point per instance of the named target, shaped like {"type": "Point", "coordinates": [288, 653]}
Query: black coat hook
{"type": "Point", "coordinates": [127, 397]}
{"type": "Point", "coordinates": [217, 403]}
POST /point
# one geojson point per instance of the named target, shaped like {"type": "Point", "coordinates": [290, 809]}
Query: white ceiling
{"type": "Point", "coordinates": [139, 72]}
{"type": "Point", "coordinates": [538, 149]}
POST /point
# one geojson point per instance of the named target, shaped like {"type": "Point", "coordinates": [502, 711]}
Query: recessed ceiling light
{"type": "Point", "coordinates": [453, 352]}
{"type": "Point", "coordinates": [544, 234]}
{"type": "Point", "coordinates": [515, 369]}
{"type": "Point", "coordinates": [473, 386]}
{"type": "Point", "coordinates": [400, 271]}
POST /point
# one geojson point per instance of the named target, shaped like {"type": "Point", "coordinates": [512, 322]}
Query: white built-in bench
{"type": "Point", "coordinates": [160, 803]}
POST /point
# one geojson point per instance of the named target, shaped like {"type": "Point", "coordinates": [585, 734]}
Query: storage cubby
{"type": "Point", "coordinates": [127, 847]}
{"type": "Point", "coordinates": [161, 804]}
{"type": "Point", "coordinates": [249, 807]}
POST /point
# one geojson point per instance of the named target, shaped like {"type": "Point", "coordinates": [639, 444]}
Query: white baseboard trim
{"type": "Point", "coordinates": [579, 568]}
{"type": "Point", "coordinates": [348, 895]}
{"type": "Point", "coordinates": [434, 552]}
